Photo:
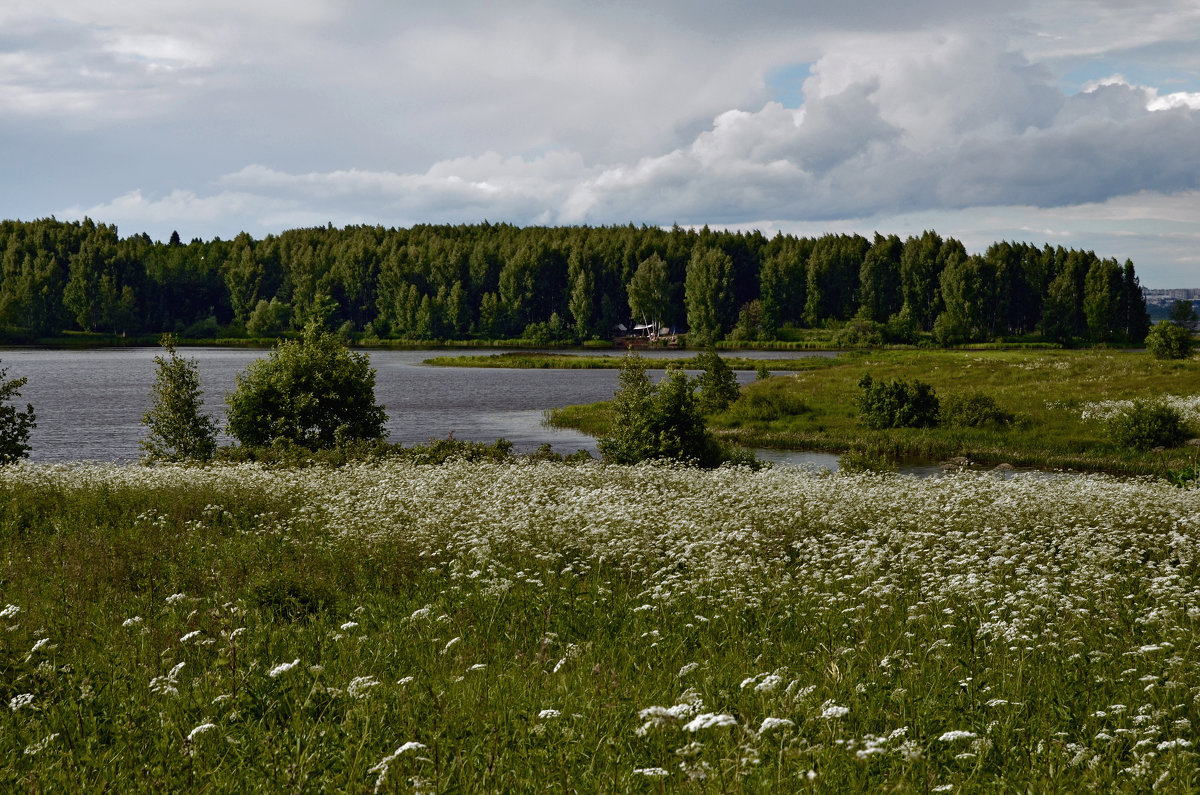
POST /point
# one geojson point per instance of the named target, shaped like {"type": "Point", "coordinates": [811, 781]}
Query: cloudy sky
{"type": "Point", "coordinates": [1073, 122]}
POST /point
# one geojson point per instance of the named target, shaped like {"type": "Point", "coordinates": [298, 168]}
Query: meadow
{"type": "Point", "coordinates": [523, 625]}
{"type": "Point", "coordinates": [1059, 402]}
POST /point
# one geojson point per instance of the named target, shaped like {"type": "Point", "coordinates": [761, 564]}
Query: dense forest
{"type": "Point", "coordinates": [556, 284]}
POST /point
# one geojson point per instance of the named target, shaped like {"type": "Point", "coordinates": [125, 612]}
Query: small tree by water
{"type": "Point", "coordinates": [14, 425]}
{"type": "Point", "coordinates": [177, 431]}
{"type": "Point", "coordinates": [313, 392]}
{"type": "Point", "coordinates": [661, 421]}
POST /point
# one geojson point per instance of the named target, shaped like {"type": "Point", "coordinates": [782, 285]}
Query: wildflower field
{"type": "Point", "coordinates": [527, 626]}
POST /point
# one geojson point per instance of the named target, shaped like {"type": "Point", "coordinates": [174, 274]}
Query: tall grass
{"type": "Point", "coordinates": [522, 625]}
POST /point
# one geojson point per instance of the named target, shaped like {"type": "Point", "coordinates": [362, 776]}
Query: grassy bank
{"type": "Point", "coordinates": [1056, 398]}
{"type": "Point", "coordinates": [522, 626]}
{"type": "Point", "coordinates": [575, 361]}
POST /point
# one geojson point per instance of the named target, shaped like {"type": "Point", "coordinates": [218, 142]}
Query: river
{"type": "Point", "coordinates": [90, 404]}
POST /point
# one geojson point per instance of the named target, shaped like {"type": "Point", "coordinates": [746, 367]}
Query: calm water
{"type": "Point", "coordinates": [90, 404]}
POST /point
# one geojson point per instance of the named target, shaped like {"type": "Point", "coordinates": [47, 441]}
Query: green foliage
{"type": "Point", "coordinates": [269, 318]}
{"type": "Point", "coordinates": [176, 430]}
{"type": "Point", "coordinates": [457, 282]}
{"type": "Point", "coordinates": [766, 400]}
{"type": "Point", "coordinates": [708, 294]}
{"type": "Point", "coordinates": [896, 404]}
{"type": "Point", "coordinates": [313, 392]}
{"type": "Point", "coordinates": [1148, 424]}
{"type": "Point", "coordinates": [14, 425]}
{"type": "Point", "coordinates": [860, 333]}
{"type": "Point", "coordinates": [1183, 313]}
{"type": "Point", "coordinates": [972, 409]}
{"type": "Point", "coordinates": [649, 291]}
{"type": "Point", "coordinates": [660, 421]}
{"type": "Point", "coordinates": [1167, 340]}
{"type": "Point", "coordinates": [717, 383]}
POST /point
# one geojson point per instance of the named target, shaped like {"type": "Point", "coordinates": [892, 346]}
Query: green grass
{"type": "Point", "coordinates": [1046, 391]}
{"type": "Point", "coordinates": [521, 621]}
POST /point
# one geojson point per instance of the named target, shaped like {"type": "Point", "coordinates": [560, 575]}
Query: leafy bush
{"type": "Point", "coordinates": [313, 392]}
{"type": "Point", "coordinates": [860, 333]}
{"type": "Point", "coordinates": [177, 429]}
{"type": "Point", "coordinates": [971, 410]}
{"type": "Point", "coordinates": [1169, 341]}
{"type": "Point", "coordinates": [660, 421]}
{"type": "Point", "coordinates": [718, 384]}
{"type": "Point", "coordinates": [14, 425]}
{"type": "Point", "coordinates": [1148, 424]}
{"type": "Point", "coordinates": [767, 400]}
{"type": "Point", "coordinates": [896, 404]}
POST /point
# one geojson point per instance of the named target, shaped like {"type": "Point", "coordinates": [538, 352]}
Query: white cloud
{"type": "Point", "coordinates": [228, 115]}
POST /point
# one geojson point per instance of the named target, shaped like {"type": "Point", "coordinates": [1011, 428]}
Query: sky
{"type": "Point", "coordinates": [1068, 122]}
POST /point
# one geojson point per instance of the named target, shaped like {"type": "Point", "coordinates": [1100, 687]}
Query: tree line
{"type": "Point", "coordinates": [550, 284]}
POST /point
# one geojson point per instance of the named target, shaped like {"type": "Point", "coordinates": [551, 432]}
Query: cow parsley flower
{"type": "Point", "coordinates": [650, 772]}
{"type": "Point", "coordinates": [283, 668]}
{"type": "Point", "coordinates": [957, 734]}
{"type": "Point", "coordinates": [360, 686]}
{"type": "Point", "coordinates": [709, 720]}
{"type": "Point", "coordinates": [774, 723]}
{"type": "Point", "coordinates": [201, 729]}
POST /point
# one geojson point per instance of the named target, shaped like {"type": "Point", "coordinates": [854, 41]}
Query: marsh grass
{"type": "Point", "coordinates": [517, 625]}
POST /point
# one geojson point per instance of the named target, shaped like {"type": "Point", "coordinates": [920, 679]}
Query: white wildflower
{"type": "Point", "coordinates": [9, 611]}
{"type": "Point", "coordinates": [709, 720]}
{"type": "Point", "coordinates": [360, 686]}
{"type": "Point", "coordinates": [349, 625]}
{"type": "Point", "coordinates": [546, 714]}
{"type": "Point", "coordinates": [957, 734]}
{"type": "Point", "coordinates": [774, 723]}
{"type": "Point", "coordinates": [650, 772]}
{"type": "Point", "coordinates": [830, 710]}
{"type": "Point", "coordinates": [450, 644]}
{"type": "Point", "coordinates": [201, 729]}
{"type": "Point", "coordinates": [687, 669]}
{"type": "Point", "coordinates": [176, 598]}
{"type": "Point", "coordinates": [23, 700]}
{"type": "Point", "coordinates": [193, 634]}
{"type": "Point", "coordinates": [38, 747]}
{"type": "Point", "coordinates": [283, 668]}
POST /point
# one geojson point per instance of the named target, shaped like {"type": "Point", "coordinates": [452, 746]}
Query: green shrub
{"type": "Point", "coordinates": [860, 333]}
{"type": "Point", "coordinates": [1148, 424]}
{"type": "Point", "coordinates": [1169, 341]}
{"type": "Point", "coordinates": [14, 425]}
{"type": "Point", "coordinates": [896, 404]}
{"type": "Point", "coordinates": [718, 384]}
{"type": "Point", "coordinates": [660, 421]}
{"type": "Point", "coordinates": [971, 410]}
{"type": "Point", "coordinates": [767, 400]}
{"type": "Point", "coordinates": [312, 392]}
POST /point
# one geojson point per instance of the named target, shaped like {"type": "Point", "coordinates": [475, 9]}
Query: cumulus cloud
{"type": "Point", "coordinates": [231, 115]}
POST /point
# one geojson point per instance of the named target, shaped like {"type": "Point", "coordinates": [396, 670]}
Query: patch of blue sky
{"type": "Point", "coordinates": [786, 84]}
{"type": "Point", "coordinates": [1166, 80]}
